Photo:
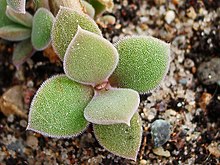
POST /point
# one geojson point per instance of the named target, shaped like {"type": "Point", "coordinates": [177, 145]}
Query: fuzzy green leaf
{"type": "Point", "coordinates": [57, 108]}
{"type": "Point", "coordinates": [4, 20]}
{"type": "Point", "coordinates": [65, 28]}
{"type": "Point", "coordinates": [15, 32]}
{"type": "Point", "coordinates": [22, 51]}
{"type": "Point", "coordinates": [90, 59]}
{"type": "Point", "coordinates": [17, 5]}
{"type": "Point", "coordinates": [42, 25]}
{"type": "Point", "coordinates": [113, 106]}
{"type": "Point", "coordinates": [120, 139]}
{"type": "Point", "coordinates": [143, 63]}
{"type": "Point", "coordinates": [20, 18]}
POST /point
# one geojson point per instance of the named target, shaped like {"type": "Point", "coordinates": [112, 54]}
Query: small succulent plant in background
{"type": "Point", "coordinates": [25, 29]}
{"type": "Point", "coordinates": [16, 24]}
{"type": "Point", "coordinates": [101, 84]}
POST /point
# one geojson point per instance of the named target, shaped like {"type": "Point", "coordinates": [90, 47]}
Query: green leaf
{"type": "Point", "coordinates": [41, 31]}
{"type": "Point", "coordinates": [120, 139]}
{"type": "Point", "coordinates": [15, 32]}
{"type": "Point", "coordinates": [20, 18]}
{"type": "Point", "coordinates": [22, 51]}
{"type": "Point", "coordinates": [143, 63]}
{"type": "Point", "coordinates": [65, 28]}
{"type": "Point", "coordinates": [90, 59]}
{"type": "Point", "coordinates": [57, 108]}
{"type": "Point", "coordinates": [4, 20]}
{"type": "Point", "coordinates": [17, 5]}
{"type": "Point", "coordinates": [113, 106]}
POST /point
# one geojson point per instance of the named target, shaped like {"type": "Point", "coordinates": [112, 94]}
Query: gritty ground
{"type": "Point", "coordinates": [188, 100]}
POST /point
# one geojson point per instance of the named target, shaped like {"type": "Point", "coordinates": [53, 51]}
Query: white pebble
{"type": "Point", "coordinates": [10, 118]}
{"type": "Point", "coordinates": [170, 16]}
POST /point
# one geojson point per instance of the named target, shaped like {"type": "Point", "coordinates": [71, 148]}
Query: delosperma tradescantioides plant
{"type": "Point", "coordinates": [101, 84]}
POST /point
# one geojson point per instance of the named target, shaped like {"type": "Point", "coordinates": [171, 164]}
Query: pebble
{"type": "Point", "coordinates": [143, 162]}
{"type": "Point", "coordinates": [10, 118]}
{"type": "Point", "coordinates": [191, 13]}
{"type": "Point", "coordinates": [109, 19]}
{"type": "Point", "coordinates": [32, 142]}
{"type": "Point", "coordinates": [23, 123]}
{"type": "Point", "coordinates": [170, 16]}
{"type": "Point", "coordinates": [150, 113]}
{"type": "Point", "coordinates": [16, 146]}
{"type": "Point", "coordinates": [205, 100]}
{"type": "Point", "coordinates": [209, 72]}
{"type": "Point", "coordinates": [160, 130]}
{"type": "Point", "coordinates": [188, 63]}
{"type": "Point", "coordinates": [214, 149]}
{"type": "Point", "coordinates": [11, 102]}
{"type": "Point", "coordinates": [161, 152]}
{"type": "Point", "coordinates": [106, 20]}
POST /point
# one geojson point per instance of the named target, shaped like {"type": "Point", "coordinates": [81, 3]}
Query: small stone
{"type": "Point", "coordinates": [205, 100]}
{"type": "Point", "coordinates": [214, 149]}
{"type": "Point", "coordinates": [30, 84]}
{"type": "Point", "coordinates": [23, 123]}
{"type": "Point", "coordinates": [188, 138]}
{"type": "Point", "coordinates": [32, 142]}
{"type": "Point", "coordinates": [143, 162]}
{"type": "Point", "coordinates": [11, 102]}
{"type": "Point", "coordinates": [10, 118]}
{"type": "Point", "coordinates": [150, 114]}
{"type": "Point", "coordinates": [109, 19]}
{"type": "Point", "coordinates": [209, 72]}
{"type": "Point", "coordinates": [16, 146]}
{"type": "Point", "coordinates": [191, 13]}
{"type": "Point", "coordinates": [160, 130]}
{"type": "Point", "coordinates": [170, 16]}
{"type": "Point", "coordinates": [161, 152]}
{"type": "Point", "coordinates": [188, 63]}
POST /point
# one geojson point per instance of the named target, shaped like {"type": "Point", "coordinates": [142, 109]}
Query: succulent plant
{"type": "Point", "coordinates": [26, 29]}
{"type": "Point", "coordinates": [18, 25]}
{"type": "Point", "coordinates": [100, 84]}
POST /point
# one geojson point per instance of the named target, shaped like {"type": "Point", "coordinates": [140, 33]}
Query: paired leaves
{"type": "Point", "coordinates": [65, 28]}
{"type": "Point", "coordinates": [42, 25]}
{"type": "Point", "coordinates": [112, 106]}
{"type": "Point", "coordinates": [142, 65]}
{"type": "Point", "coordinates": [90, 59]}
{"type": "Point", "coordinates": [120, 139]}
{"type": "Point", "coordinates": [57, 108]}
{"type": "Point", "coordinates": [15, 32]}
{"type": "Point", "coordinates": [17, 5]}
